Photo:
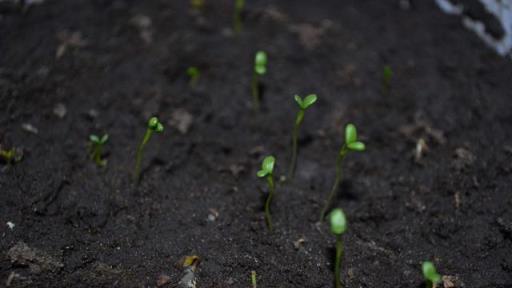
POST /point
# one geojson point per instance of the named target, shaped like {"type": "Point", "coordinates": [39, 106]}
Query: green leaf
{"type": "Point", "coordinates": [153, 123]}
{"type": "Point", "coordinates": [261, 173]}
{"type": "Point", "coordinates": [192, 71]}
{"type": "Point", "coordinates": [268, 164]}
{"type": "Point", "coordinates": [159, 127]}
{"type": "Point", "coordinates": [350, 133]}
{"type": "Point", "coordinates": [239, 4]}
{"type": "Point", "coordinates": [357, 146]}
{"type": "Point", "coordinates": [430, 273]}
{"type": "Point", "coordinates": [308, 101]}
{"type": "Point", "coordinates": [338, 221]}
{"type": "Point", "coordinates": [94, 138]}
{"type": "Point", "coordinates": [298, 100]}
{"type": "Point", "coordinates": [104, 139]}
{"type": "Point", "coordinates": [260, 63]}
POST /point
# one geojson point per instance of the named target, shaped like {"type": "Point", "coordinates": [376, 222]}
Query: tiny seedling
{"type": "Point", "coordinates": [193, 73]}
{"type": "Point", "coordinates": [97, 144]}
{"type": "Point", "coordinates": [432, 278]}
{"type": "Point", "coordinates": [387, 75]}
{"type": "Point", "coordinates": [260, 68]}
{"type": "Point", "coordinates": [351, 144]}
{"type": "Point", "coordinates": [154, 125]}
{"type": "Point", "coordinates": [11, 156]}
{"type": "Point", "coordinates": [338, 223]}
{"type": "Point", "coordinates": [267, 171]}
{"type": "Point", "coordinates": [237, 18]}
{"type": "Point", "coordinates": [197, 4]}
{"type": "Point", "coordinates": [303, 105]}
{"type": "Point", "coordinates": [253, 279]}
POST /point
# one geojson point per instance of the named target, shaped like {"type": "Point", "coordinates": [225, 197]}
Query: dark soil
{"type": "Point", "coordinates": [84, 226]}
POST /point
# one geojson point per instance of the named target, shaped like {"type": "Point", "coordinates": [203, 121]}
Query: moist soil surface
{"type": "Point", "coordinates": [434, 183]}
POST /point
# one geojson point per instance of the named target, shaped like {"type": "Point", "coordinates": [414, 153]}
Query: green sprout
{"type": "Point", "coordinates": [387, 74]}
{"type": "Point", "coordinates": [260, 68]}
{"type": "Point", "coordinates": [432, 278]}
{"type": "Point", "coordinates": [237, 19]}
{"type": "Point", "coordinates": [97, 144]}
{"type": "Point", "coordinates": [303, 105]}
{"type": "Point", "coordinates": [253, 279]}
{"type": "Point", "coordinates": [351, 144]}
{"type": "Point", "coordinates": [11, 156]}
{"type": "Point", "coordinates": [267, 171]}
{"type": "Point", "coordinates": [193, 73]}
{"type": "Point", "coordinates": [197, 4]}
{"type": "Point", "coordinates": [154, 125]}
{"type": "Point", "coordinates": [338, 223]}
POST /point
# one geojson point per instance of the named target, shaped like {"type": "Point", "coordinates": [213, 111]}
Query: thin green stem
{"type": "Point", "coordinates": [295, 144]}
{"type": "Point", "coordinates": [140, 150]}
{"type": "Point", "coordinates": [255, 91]}
{"type": "Point", "coordinates": [337, 180]}
{"type": "Point", "coordinates": [237, 21]}
{"type": "Point", "coordinates": [339, 253]}
{"type": "Point", "coordinates": [271, 190]}
{"type": "Point", "coordinates": [253, 279]}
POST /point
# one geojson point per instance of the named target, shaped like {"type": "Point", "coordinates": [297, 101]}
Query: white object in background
{"type": "Point", "coordinates": [10, 225]}
{"type": "Point", "coordinates": [500, 9]}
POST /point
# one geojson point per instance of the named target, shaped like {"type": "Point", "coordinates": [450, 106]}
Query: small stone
{"type": "Point", "coordinates": [10, 225]}
{"type": "Point", "coordinates": [29, 128]}
{"type": "Point", "coordinates": [163, 279]}
{"type": "Point", "coordinates": [60, 110]}
{"type": "Point", "coordinates": [181, 120]}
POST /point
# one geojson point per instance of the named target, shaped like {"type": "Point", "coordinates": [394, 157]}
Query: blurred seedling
{"type": "Point", "coordinates": [197, 5]}
{"type": "Point", "coordinates": [267, 171]}
{"type": "Point", "coordinates": [260, 69]}
{"type": "Point", "coordinates": [237, 18]}
{"type": "Point", "coordinates": [154, 125]}
{"type": "Point", "coordinates": [432, 278]}
{"type": "Point", "coordinates": [387, 75]}
{"type": "Point", "coordinates": [97, 145]}
{"type": "Point", "coordinates": [193, 73]}
{"type": "Point", "coordinates": [338, 223]}
{"type": "Point", "coordinates": [253, 279]}
{"type": "Point", "coordinates": [11, 156]}
{"type": "Point", "coordinates": [351, 144]}
{"type": "Point", "coordinates": [303, 105]}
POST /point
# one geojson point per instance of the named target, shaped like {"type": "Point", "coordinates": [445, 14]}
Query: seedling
{"type": "Point", "coordinates": [194, 74]}
{"type": "Point", "coordinates": [303, 105]}
{"type": "Point", "coordinates": [338, 223]}
{"type": "Point", "coordinates": [432, 278]}
{"type": "Point", "coordinates": [267, 171]}
{"type": "Point", "coordinates": [351, 144]}
{"type": "Point", "coordinates": [253, 279]}
{"type": "Point", "coordinates": [260, 68]}
{"type": "Point", "coordinates": [197, 4]}
{"type": "Point", "coordinates": [387, 74]}
{"type": "Point", "coordinates": [237, 19]}
{"type": "Point", "coordinates": [11, 156]}
{"type": "Point", "coordinates": [97, 144]}
{"type": "Point", "coordinates": [154, 125]}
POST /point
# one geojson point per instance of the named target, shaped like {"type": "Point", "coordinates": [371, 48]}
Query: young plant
{"type": "Point", "coordinates": [387, 74]}
{"type": "Point", "coordinates": [193, 73]}
{"type": "Point", "coordinates": [154, 125]}
{"type": "Point", "coordinates": [97, 144]}
{"type": "Point", "coordinates": [197, 4]}
{"type": "Point", "coordinates": [260, 68]}
{"type": "Point", "coordinates": [237, 19]}
{"type": "Point", "coordinates": [267, 171]}
{"type": "Point", "coordinates": [351, 144]}
{"type": "Point", "coordinates": [432, 278]}
{"type": "Point", "coordinates": [338, 223]}
{"type": "Point", "coordinates": [11, 156]}
{"type": "Point", "coordinates": [253, 279]}
{"type": "Point", "coordinates": [303, 105]}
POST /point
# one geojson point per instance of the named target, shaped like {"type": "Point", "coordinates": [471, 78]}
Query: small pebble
{"type": "Point", "coordinates": [60, 110]}
{"type": "Point", "coordinates": [29, 128]}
